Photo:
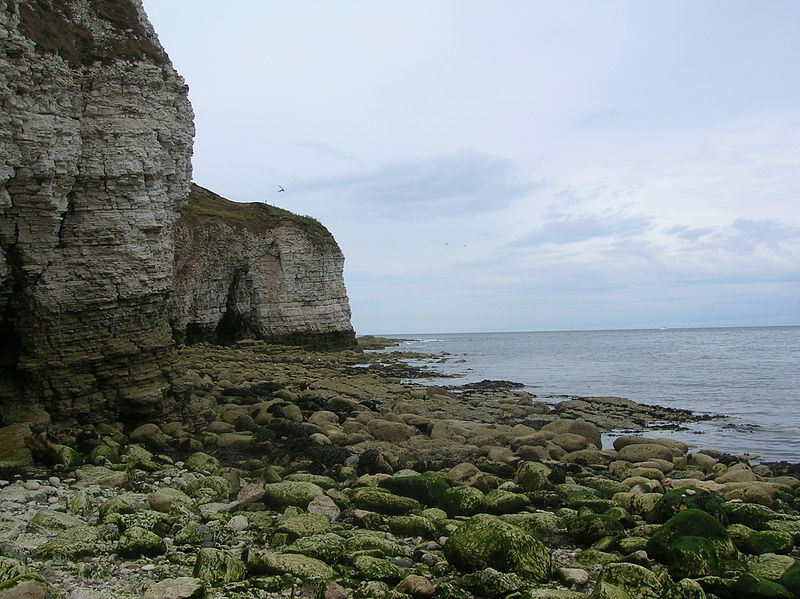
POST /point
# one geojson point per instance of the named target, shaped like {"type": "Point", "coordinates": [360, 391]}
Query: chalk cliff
{"type": "Point", "coordinates": [256, 271]}
{"type": "Point", "coordinates": [95, 145]}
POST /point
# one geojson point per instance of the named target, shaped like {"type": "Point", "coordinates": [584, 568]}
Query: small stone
{"type": "Point", "coordinates": [176, 588]}
{"type": "Point", "coordinates": [417, 586]}
{"type": "Point", "coordinates": [33, 485]}
{"type": "Point", "coordinates": [325, 506]}
{"type": "Point", "coordinates": [238, 523]}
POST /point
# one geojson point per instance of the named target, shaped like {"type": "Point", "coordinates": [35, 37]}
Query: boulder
{"type": "Point", "coordinates": [486, 541]}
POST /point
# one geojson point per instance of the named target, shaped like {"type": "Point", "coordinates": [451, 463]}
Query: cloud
{"type": "Point", "coordinates": [565, 229]}
{"type": "Point", "coordinates": [688, 233]}
{"type": "Point", "coordinates": [465, 182]}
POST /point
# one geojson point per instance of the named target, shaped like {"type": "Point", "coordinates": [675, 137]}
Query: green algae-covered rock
{"type": "Point", "coordinates": [532, 476]}
{"type": "Point", "coordinates": [302, 566]}
{"type": "Point", "coordinates": [215, 566]}
{"type": "Point", "coordinates": [305, 525]}
{"type": "Point", "coordinates": [167, 498]}
{"type": "Point", "coordinates": [375, 589]}
{"type": "Point", "coordinates": [790, 526]}
{"type": "Point", "coordinates": [685, 589]}
{"type": "Point", "coordinates": [677, 500]}
{"type": "Point", "coordinates": [769, 541]}
{"type": "Point", "coordinates": [413, 526]}
{"type": "Point", "coordinates": [375, 542]}
{"type": "Point", "coordinates": [500, 502]}
{"type": "Point", "coordinates": [692, 557]}
{"type": "Point", "coordinates": [628, 545]}
{"type": "Point", "coordinates": [202, 462]}
{"type": "Point", "coordinates": [771, 566]}
{"type": "Point", "coordinates": [605, 488]}
{"type": "Point", "coordinates": [160, 524]}
{"type": "Point", "coordinates": [116, 505]}
{"type": "Point", "coordinates": [543, 525]}
{"type": "Point", "coordinates": [791, 579]}
{"type": "Point", "coordinates": [376, 568]}
{"type": "Point", "coordinates": [210, 489]}
{"type": "Point", "coordinates": [744, 586]}
{"type": "Point", "coordinates": [754, 515]}
{"type": "Point", "coordinates": [326, 547]}
{"type": "Point", "coordinates": [326, 482]}
{"type": "Point", "coordinates": [291, 493]}
{"type": "Point", "coordinates": [137, 542]}
{"type": "Point", "coordinates": [426, 488]}
{"type": "Point", "coordinates": [593, 527]}
{"type": "Point", "coordinates": [72, 543]}
{"type": "Point", "coordinates": [11, 568]}
{"type": "Point", "coordinates": [492, 584]}
{"type": "Point", "coordinates": [739, 534]}
{"type": "Point", "coordinates": [486, 541]}
{"type": "Point", "coordinates": [48, 520]}
{"type": "Point", "coordinates": [691, 522]}
{"type": "Point", "coordinates": [185, 587]}
{"type": "Point", "coordinates": [383, 501]}
{"type": "Point", "coordinates": [627, 581]}
{"type": "Point", "coordinates": [103, 454]}
{"type": "Point", "coordinates": [584, 499]}
{"type": "Point", "coordinates": [463, 501]}
{"type": "Point", "coordinates": [194, 533]}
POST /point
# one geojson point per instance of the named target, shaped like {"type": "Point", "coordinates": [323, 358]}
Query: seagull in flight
{"type": "Point", "coordinates": [280, 189]}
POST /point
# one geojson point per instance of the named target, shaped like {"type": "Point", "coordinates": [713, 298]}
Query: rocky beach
{"type": "Point", "coordinates": [288, 472]}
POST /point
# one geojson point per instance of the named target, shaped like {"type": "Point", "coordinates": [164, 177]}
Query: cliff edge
{"type": "Point", "coordinates": [256, 271]}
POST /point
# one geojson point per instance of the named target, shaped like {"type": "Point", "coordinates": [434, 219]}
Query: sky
{"type": "Point", "coordinates": [515, 166]}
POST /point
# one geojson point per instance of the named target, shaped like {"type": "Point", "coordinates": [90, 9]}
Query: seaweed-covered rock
{"type": "Point", "coordinates": [769, 541]}
{"type": "Point", "coordinates": [383, 501]}
{"type": "Point", "coordinates": [426, 488]}
{"type": "Point", "coordinates": [291, 493]}
{"type": "Point", "coordinates": [463, 501]}
{"type": "Point", "coordinates": [771, 566]}
{"type": "Point", "coordinates": [627, 581]}
{"type": "Point", "coordinates": [137, 542]}
{"type": "Point", "coordinates": [753, 515]}
{"type": "Point", "coordinates": [328, 547]}
{"type": "Point", "coordinates": [499, 502]}
{"type": "Point", "coordinates": [592, 527]}
{"type": "Point", "coordinates": [677, 500]}
{"type": "Point", "coordinates": [791, 579]}
{"type": "Point", "coordinates": [185, 587]}
{"type": "Point", "coordinates": [305, 525]}
{"type": "Point", "coordinates": [202, 462]}
{"type": "Point", "coordinates": [73, 543]}
{"type": "Point", "coordinates": [215, 566]}
{"type": "Point", "coordinates": [685, 588]}
{"type": "Point", "coordinates": [691, 522]}
{"type": "Point", "coordinates": [492, 584]}
{"type": "Point", "coordinates": [376, 568]}
{"type": "Point", "coordinates": [533, 476]}
{"type": "Point", "coordinates": [692, 557]}
{"type": "Point", "coordinates": [210, 489]}
{"type": "Point", "coordinates": [302, 566]}
{"type": "Point", "coordinates": [375, 541]}
{"type": "Point", "coordinates": [486, 541]}
{"type": "Point", "coordinates": [413, 526]}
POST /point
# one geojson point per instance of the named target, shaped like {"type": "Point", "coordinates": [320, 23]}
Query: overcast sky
{"type": "Point", "coordinates": [517, 165]}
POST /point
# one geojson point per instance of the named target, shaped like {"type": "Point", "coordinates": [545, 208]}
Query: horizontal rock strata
{"type": "Point", "coordinates": [95, 145]}
{"type": "Point", "coordinates": [256, 271]}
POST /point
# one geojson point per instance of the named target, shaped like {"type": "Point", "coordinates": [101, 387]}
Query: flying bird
{"type": "Point", "coordinates": [280, 189]}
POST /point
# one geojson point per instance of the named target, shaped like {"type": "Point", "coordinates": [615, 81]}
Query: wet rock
{"type": "Point", "coordinates": [264, 562]}
{"type": "Point", "coordinates": [486, 541]}
{"type": "Point", "coordinates": [185, 587]}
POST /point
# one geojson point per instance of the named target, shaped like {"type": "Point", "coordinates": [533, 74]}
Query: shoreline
{"type": "Point", "coordinates": [294, 473]}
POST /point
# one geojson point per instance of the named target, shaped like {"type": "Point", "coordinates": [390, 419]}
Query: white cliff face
{"type": "Point", "coordinates": [95, 147]}
{"type": "Point", "coordinates": [251, 271]}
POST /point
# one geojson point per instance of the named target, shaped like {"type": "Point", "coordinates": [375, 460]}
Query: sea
{"type": "Point", "coordinates": [749, 376]}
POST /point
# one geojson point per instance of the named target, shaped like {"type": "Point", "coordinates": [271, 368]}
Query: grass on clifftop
{"type": "Point", "coordinates": [252, 216]}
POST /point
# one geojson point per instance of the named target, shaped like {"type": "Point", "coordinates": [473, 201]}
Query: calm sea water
{"type": "Point", "coordinates": [751, 375]}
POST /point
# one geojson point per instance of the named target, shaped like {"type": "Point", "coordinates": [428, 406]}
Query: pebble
{"type": "Point", "coordinates": [54, 481]}
{"type": "Point", "coordinates": [148, 568]}
{"type": "Point", "coordinates": [33, 485]}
